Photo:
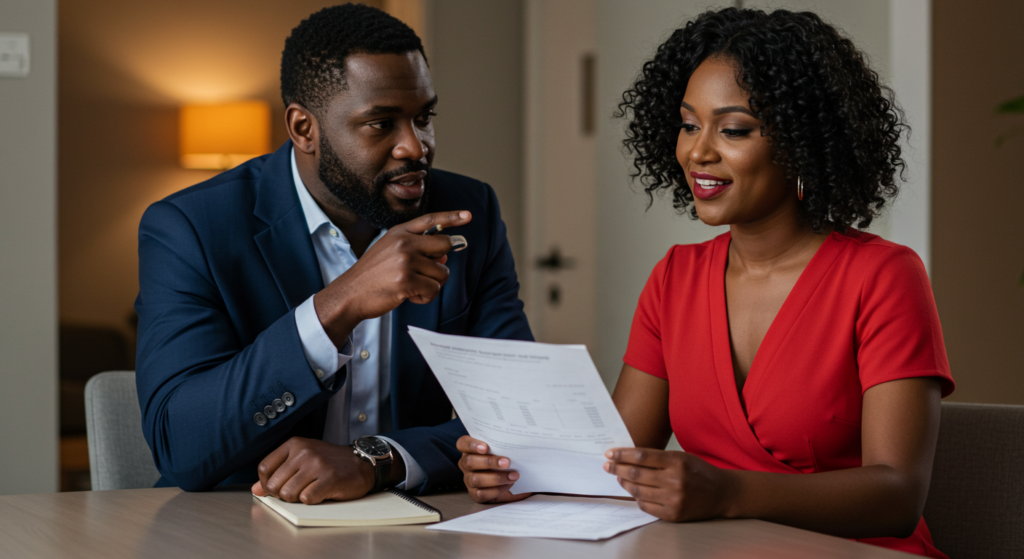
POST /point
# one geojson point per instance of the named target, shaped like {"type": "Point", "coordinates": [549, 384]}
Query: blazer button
{"type": "Point", "coordinates": [260, 419]}
{"type": "Point", "coordinates": [269, 411]}
{"type": "Point", "coordinates": [279, 406]}
{"type": "Point", "coordinates": [288, 398]}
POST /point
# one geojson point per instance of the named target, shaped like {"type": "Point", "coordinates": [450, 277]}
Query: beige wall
{"type": "Point", "coordinates": [28, 294]}
{"type": "Point", "coordinates": [978, 196]}
{"type": "Point", "coordinates": [476, 60]}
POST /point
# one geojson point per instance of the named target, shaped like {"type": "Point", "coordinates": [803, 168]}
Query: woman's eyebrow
{"type": "Point", "coordinates": [732, 109]}
{"type": "Point", "coordinates": [720, 110]}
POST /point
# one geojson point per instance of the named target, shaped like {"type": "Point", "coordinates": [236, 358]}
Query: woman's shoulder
{"type": "Point", "coordinates": [873, 252]}
{"type": "Point", "coordinates": [684, 263]}
{"type": "Point", "coordinates": [879, 266]}
{"type": "Point", "coordinates": [690, 254]}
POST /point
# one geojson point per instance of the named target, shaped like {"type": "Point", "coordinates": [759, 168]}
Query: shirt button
{"type": "Point", "coordinates": [334, 232]}
{"type": "Point", "coordinates": [361, 417]}
{"type": "Point", "coordinates": [319, 373]}
{"type": "Point", "coordinates": [364, 354]}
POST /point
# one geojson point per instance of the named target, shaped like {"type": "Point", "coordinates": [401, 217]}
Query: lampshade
{"type": "Point", "coordinates": [223, 136]}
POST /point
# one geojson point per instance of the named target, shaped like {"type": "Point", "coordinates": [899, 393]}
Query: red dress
{"type": "Point", "coordinates": [862, 313]}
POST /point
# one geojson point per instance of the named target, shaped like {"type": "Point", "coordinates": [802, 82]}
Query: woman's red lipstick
{"type": "Point", "coordinates": [707, 186]}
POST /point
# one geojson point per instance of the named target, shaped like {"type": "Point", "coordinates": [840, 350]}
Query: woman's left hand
{"type": "Point", "coordinates": [671, 485]}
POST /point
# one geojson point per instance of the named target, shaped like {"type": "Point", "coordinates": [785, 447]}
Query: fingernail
{"type": "Point", "coordinates": [607, 466]}
{"type": "Point", "coordinates": [503, 462]}
{"type": "Point", "coordinates": [608, 454]}
{"type": "Point", "coordinates": [459, 243]}
{"type": "Point", "coordinates": [513, 476]}
{"type": "Point", "coordinates": [463, 215]}
{"type": "Point", "coordinates": [481, 448]}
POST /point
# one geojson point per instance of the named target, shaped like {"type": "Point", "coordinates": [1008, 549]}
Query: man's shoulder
{"type": "Point", "coordinates": [229, 185]}
{"type": "Point", "coordinates": [259, 190]}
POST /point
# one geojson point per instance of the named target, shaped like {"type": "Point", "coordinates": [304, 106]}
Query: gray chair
{"type": "Point", "coordinates": [975, 506]}
{"type": "Point", "coordinates": [119, 457]}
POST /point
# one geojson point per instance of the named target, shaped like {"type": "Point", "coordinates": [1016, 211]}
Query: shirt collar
{"type": "Point", "coordinates": [315, 217]}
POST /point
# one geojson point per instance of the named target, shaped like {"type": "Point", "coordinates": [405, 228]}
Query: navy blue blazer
{"type": "Point", "coordinates": [222, 266]}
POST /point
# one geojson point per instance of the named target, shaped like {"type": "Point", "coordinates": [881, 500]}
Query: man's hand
{"type": "Point", "coordinates": [672, 485]}
{"type": "Point", "coordinates": [485, 474]}
{"type": "Point", "coordinates": [311, 471]}
{"type": "Point", "coordinates": [403, 264]}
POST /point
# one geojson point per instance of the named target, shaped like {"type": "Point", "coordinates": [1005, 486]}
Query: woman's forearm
{"type": "Point", "coordinates": [866, 502]}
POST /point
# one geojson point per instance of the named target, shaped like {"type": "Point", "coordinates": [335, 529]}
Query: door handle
{"type": "Point", "coordinates": [554, 261]}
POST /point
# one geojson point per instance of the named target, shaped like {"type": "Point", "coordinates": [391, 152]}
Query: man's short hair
{"type": "Point", "coordinates": [313, 61]}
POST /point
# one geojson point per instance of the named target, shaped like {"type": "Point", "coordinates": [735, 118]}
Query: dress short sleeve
{"type": "Point", "coordinates": [898, 331]}
{"type": "Point", "coordinates": [644, 351]}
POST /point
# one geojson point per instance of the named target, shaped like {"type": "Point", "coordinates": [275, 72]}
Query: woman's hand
{"type": "Point", "coordinates": [486, 475]}
{"type": "Point", "coordinates": [671, 485]}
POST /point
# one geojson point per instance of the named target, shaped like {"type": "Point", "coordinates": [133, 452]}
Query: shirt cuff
{"type": "Point", "coordinates": [321, 354]}
{"type": "Point", "coordinates": [414, 475]}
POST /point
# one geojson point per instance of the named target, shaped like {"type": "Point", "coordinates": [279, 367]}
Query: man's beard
{"type": "Point", "coordinates": [366, 199]}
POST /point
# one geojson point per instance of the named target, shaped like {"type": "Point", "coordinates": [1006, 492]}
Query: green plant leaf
{"type": "Point", "coordinates": [1012, 106]}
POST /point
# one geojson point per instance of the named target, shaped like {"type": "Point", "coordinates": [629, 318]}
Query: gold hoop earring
{"type": "Point", "coordinates": [799, 188]}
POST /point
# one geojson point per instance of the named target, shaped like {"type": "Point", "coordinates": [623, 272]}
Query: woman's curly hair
{"type": "Point", "coordinates": [830, 121]}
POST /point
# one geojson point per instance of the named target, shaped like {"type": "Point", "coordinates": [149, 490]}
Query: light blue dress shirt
{"type": "Point", "coordinates": [363, 405]}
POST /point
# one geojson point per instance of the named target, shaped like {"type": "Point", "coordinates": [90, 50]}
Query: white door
{"type": "Point", "coordinates": [558, 271]}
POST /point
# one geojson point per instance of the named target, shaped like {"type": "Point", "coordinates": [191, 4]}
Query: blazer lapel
{"type": "Point", "coordinates": [285, 244]}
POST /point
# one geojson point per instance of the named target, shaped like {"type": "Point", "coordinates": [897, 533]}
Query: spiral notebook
{"type": "Point", "coordinates": [390, 508]}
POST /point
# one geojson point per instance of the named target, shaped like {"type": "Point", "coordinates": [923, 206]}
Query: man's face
{"type": "Point", "coordinates": [377, 138]}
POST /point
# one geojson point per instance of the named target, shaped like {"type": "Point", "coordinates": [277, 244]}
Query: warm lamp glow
{"type": "Point", "coordinates": [223, 136]}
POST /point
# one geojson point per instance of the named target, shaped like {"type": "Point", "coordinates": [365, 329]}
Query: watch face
{"type": "Point", "coordinates": [374, 446]}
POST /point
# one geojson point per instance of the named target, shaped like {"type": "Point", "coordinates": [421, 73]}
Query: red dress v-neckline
{"type": "Point", "coordinates": [781, 328]}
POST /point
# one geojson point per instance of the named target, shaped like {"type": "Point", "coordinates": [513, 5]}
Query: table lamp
{"type": "Point", "coordinates": [225, 135]}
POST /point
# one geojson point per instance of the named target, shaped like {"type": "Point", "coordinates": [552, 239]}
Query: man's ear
{"type": "Point", "coordinates": [303, 128]}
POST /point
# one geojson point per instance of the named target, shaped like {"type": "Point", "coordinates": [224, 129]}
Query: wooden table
{"type": "Point", "coordinates": [226, 524]}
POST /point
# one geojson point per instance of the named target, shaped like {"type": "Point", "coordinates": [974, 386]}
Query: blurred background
{"type": "Point", "coordinates": [92, 131]}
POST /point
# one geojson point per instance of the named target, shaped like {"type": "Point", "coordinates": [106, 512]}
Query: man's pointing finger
{"type": "Point", "coordinates": [427, 222]}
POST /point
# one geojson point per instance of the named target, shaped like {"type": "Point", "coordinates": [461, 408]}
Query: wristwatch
{"type": "Point", "coordinates": [377, 452]}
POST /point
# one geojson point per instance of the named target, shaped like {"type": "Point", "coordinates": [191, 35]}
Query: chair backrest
{"type": "Point", "coordinates": [975, 504]}
{"type": "Point", "coordinates": [119, 457]}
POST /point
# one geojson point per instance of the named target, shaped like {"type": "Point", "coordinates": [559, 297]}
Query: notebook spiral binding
{"type": "Point", "coordinates": [413, 500]}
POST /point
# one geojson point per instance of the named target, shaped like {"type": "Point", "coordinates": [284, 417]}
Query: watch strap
{"type": "Point", "coordinates": [381, 475]}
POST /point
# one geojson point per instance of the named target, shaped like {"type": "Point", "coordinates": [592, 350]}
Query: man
{"type": "Point", "coordinates": [275, 298]}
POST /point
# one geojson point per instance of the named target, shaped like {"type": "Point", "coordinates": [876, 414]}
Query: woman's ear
{"type": "Point", "coordinates": [303, 128]}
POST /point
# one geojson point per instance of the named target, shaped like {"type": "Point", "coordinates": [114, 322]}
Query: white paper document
{"type": "Point", "coordinates": [549, 516]}
{"type": "Point", "coordinates": [543, 406]}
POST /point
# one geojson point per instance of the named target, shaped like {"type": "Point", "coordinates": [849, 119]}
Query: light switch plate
{"type": "Point", "coordinates": [13, 55]}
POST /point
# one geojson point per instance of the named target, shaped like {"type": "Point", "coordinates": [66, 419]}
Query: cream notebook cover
{"type": "Point", "coordinates": [390, 508]}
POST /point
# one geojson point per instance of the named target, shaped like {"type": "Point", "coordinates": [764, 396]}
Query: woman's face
{"type": "Point", "coordinates": [727, 162]}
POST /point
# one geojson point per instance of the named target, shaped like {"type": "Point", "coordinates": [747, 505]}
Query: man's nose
{"type": "Point", "coordinates": [411, 145]}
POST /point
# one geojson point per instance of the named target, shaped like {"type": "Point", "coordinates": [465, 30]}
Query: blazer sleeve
{"type": "Point", "coordinates": [199, 386]}
{"type": "Point", "coordinates": [495, 312]}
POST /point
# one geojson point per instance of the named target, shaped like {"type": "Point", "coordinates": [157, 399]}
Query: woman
{"type": "Point", "coordinates": [793, 344]}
